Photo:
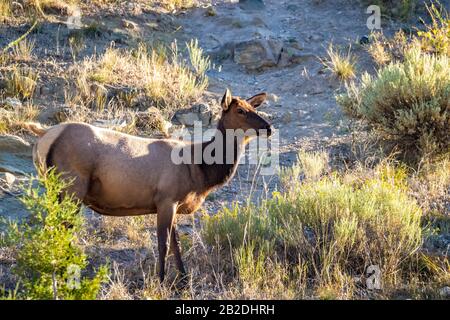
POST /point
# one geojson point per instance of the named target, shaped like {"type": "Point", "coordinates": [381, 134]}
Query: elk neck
{"type": "Point", "coordinates": [220, 172]}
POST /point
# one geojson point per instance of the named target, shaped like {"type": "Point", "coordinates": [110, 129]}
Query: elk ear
{"type": "Point", "coordinates": [257, 100]}
{"type": "Point", "coordinates": [226, 100]}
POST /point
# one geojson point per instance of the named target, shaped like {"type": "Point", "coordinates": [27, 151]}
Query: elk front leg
{"type": "Point", "coordinates": [175, 247]}
{"type": "Point", "coordinates": [164, 221]}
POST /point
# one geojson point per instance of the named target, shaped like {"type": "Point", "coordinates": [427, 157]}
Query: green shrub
{"type": "Point", "coordinates": [49, 259]}
{"type": "Point", "coordinates": [332, 229]}
{"type": "Point", "coordinates": [407, 102]}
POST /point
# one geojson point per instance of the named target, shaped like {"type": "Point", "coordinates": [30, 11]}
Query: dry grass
{"type": "Point", "coordinates": [340, 64]}
{"type": "Point", "coordinates": [11, 120]}
{"type": "Point", "coordinates": [5, 9]}
{"type": "Point", "coordinates": [320, 235]}
{"type": "Point", "coordinates": [179, 4]}
{"type": "Point", "coordinates": [155, 77]}
{"type": "Point", "coordinates": [23, 50]}
{"type": "Point", "coordinates": [21, 82]}
{"type": "Point", "coordinates": [383, 50]}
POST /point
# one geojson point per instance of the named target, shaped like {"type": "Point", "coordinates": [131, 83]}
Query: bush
{"type": "Point", "coordinates": [331, 229]}
{"type": "Point", "coordinates": [48, 257]}
{"type": "Point", "coordinates": [436, 37]}
{"type": "Point", "coordinates": [407, 102]}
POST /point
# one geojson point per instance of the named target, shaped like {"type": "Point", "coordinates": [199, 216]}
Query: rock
{"type": "Point", "coordinates": [223, 52]}
{"type": "Point", "coordinates": [129, 24]}
{"type": "Point", "coordinates": [316, 37]}
{"type": "Point", "coordinates": [13, 103]}
{"type": "Point", "coordinates": [258, 53]}
{"type": "Point", "coordinates": [291, 55]}
{"type": "Point", "coordinates": [364, 40]}
{"type": "Point", "coordinates": [8, 178]}
{"type": "Point", "coordinates": [13, 144]}
{"type": "Point", "coordinates": [55, 114]}
{"type": "Point", "coordinates": [15, 155]}
{"type": "Point", "coordinates": [265, 115]}
{"type": "Point", "coordinates": [445, 292]}
{"type": "Point", "coordinates": [252, 4]}
{"type": "Point", "coordinates": [287, 117]}
{"type": "Point", "coordinates": [210, 12]}
{"type": "Point", "coordinates": [198, 112]}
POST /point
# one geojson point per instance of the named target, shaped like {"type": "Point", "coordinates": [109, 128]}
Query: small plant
{"type": "Point", "coordinates": [436, 38]}
{"type": "Point", "coordinates": [21, 82]}
{"type": "Point", "coordinates": [23, 50]}
{"type": "Point", "coordinates": [179, 4]}
{"type": "Point", "coordinates": [76, 44]}
{"type": "Point", "coordinates": [11, 120]}
{"type": "Point", "coordinates": [49, 257]}
{"type": "Point", "coordinates": [340, 64]}
{"type": "Point", "coordinates": [5, 9]}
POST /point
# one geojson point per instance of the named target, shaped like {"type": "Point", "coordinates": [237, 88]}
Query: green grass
{"type": "Point", "coordinates": [328, 230]}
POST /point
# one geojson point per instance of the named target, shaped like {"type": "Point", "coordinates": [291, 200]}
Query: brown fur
{"type": "Point", "coordinates": [121, 175]}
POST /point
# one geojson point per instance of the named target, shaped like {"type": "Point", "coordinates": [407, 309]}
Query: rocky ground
{"type": "Point", "coordinates": [275, 47]}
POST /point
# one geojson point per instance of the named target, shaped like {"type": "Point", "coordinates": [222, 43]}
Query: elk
{"type": "Point", "coordinates": [122, 175]}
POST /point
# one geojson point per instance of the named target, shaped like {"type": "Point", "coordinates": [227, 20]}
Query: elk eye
{"type": "Point", "coordinates": [240, 111]}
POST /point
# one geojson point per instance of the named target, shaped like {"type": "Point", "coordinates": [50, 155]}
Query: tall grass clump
{"type": "Point", "coordinates": [49, 258]}
{"type": "Point", "coordinates": [21, 82]}
{"type": "Point", "coordinates": [406, 102]}
{"type": "Point", "coordinates": [5, 9]}
{"type": "Point", "coordinates": [159, 77]}
{"type": "Point", "coordinates": [340, 64]}
{"type": "Point", "coordinates": [327, 231]}
{"type": "Point", "coordinates": [11, 120]}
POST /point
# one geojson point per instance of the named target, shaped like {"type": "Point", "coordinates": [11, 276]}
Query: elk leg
{"type": "Point", "coordinates": [175, 247]}
{"type": "Point", "coordinates": [164, 221]}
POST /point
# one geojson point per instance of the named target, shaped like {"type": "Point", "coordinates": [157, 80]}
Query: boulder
{"type": "Point", "coordinates": [258, 53]}
{"type": "Point", "coordinates": [14, 144]}
{"type": "Point", "coordinates": [56, 114]}
{"type": "Point", "coordinates": [198, 112]}
{"type": "Point", "coordinates": [445, 292]}
{"type": "Point", "coordinates": [128, 24]}
{"type": "Point", "coordinates": [8, 178]}
{"type": "Point", "coordinates": [15, 155]}
{"type": "Point", "coordinates": [13, 103]}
